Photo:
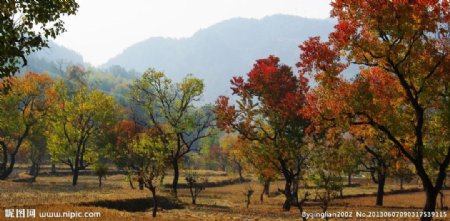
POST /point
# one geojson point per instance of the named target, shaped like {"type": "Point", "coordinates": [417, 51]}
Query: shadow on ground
{"type": "Point", "coordinates": [135, 205]}
{"type": "Point", "coordinates": [212, 184]}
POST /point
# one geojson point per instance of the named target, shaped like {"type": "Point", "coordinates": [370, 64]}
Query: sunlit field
{"type": "Point", "coordinates": [225, 200]}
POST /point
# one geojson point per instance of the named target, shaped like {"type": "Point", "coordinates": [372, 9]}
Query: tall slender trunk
{"type": "Point", "coordinates": [401, 183]}
{"type": "Point", "coordinates": [155, 201]}
{"type": "Point", "coordinates": [349, 179]}
{"type": "Point", "coordinates": [267, 187]}
{"type": "Point", "coordinates": [239, 168]}
{"type": "Point", "coordinates": [266, 190]}
{"type": "Point", "coordinates": [141, 183]}
{"type": "Point", "coordinates": [176, 175]}
{"type": "Point", "coordinates": [53, 172]}
{"type": "Point", "coordinates": [131, 183]}
{"type": "Point", "coordinates": [99, 181]}
{"type": "Point", "coordinates": [380, 191]}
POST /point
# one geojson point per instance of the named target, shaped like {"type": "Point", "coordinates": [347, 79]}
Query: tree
{"type": "Point", "coordinates": [37, 149]}
{"type": "Point", "coordinates": [267, 112]}
{"type": "Point", "coordinates": [195, 187]}
{"type": "Point", "coordinates": [26, 27]}
{"type": "Point", "coordinates": [150, 145]}
{"type": "Point", "coordinates": [100, 170]}
{"type": "Point", "coordinates": [122, 152]}
{"type": "Point", "coordinates": [325, 169]}
{"type": "Point", "coordinates": [230, 146]}
{"type": "Point", "coordinates": [172, 104]}
{"type": "Point", "coordinates": [250, 154]}
{"type": "Point", "coordinates": [24, 104]}
{"type": "Point", "coordinates": [79, 121]}
{"type": "Point", "coordinates": [403, 88]}
{"type": "Point", "coordinates": [379, 157]}
{"type": "Point", "coordinates": [402, 172]}
{"type": "Point", "coordinates": [350, 159]}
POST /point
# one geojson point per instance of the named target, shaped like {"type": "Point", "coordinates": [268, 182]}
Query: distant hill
{"type": "Point", "coordinates": [226, 49]}
{"type": "Point", "coordinates": [52, 60]}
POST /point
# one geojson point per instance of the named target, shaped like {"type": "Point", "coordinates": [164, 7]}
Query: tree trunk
{"type": "Point", "coordinates": [380, 192]}
{"type": "Point", "coordinates": [36, 172]}
{"type": "Point", "coordinates": [100, 181]}
{"type": "Point", "coordinates": [261, 197]}
{"type": "Point", "coordinates": [192, 192]}
{"type": "Point", "coordinates": [430, 202]}
{"type": "Point", "coordinates": [295, 185]}
{"type": "Point", "coordinates": [141, 183]}
{"type": "Point", "coordinates": [155, 201]}
{"type": "Point", "coordinates": [267, 187]}
{"type": "Point", "coordinates": [75, 176]}
{"type": "Point", "coordinates": [401, 183]}
{"type": "Point", "coordinates": [287, 194]}
{"type": "Point", "coordinates": [131, 183]}
{"type": "Point", "coordinates": [176, 175]}
{"type": "Point", "coordinates": [349, 179]}
{"type": "Point", "coordinates": [53, 172]}
{"type": "Point", "coordinates": [32, 170]}
{"type": "Point", "coordinates": [239, 167]}
{"type": "Point", "coordinates": [7, 170]}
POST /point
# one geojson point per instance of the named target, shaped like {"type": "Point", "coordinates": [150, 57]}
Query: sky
{"type": "Point", "coordinates": [102, 29]}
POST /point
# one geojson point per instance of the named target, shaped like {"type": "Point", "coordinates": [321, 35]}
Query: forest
{"type": "Point", "coordinates": [309, 141]}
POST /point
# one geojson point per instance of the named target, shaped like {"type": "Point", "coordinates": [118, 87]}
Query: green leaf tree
{"type": "Point", "coordinates": [153, 150]}
{"type": "Point", "coordinates": [78, 121]}
{"type": "Point", "coordinates": [26, 26]}
{"type": "Point", "coordinates": [171, 105]}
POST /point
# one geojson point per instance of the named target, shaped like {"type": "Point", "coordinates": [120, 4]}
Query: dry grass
{"type": "Point", "coordinates": [117, 201]}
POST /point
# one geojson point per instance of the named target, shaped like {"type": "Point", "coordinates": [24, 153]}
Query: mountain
{"type": "Point", "coordinates": [52, 60]}
{"type": "Point", "coordinates": [223, 50]}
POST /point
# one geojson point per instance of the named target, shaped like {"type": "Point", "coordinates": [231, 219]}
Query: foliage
{"type": "Point", "coordinates": [26, 27]}
{"type": "Point", "coordinates": [402, 88]}
{"type": "Point", "coordinates": [267, 111]}
{"type": "Point", "coordinates": [153, 151]}
{"type": "Point", "coordinates": [79, 121]}
{"type": "Point", "coordinates": [195, 187]}
{"type": "Point", "coordinates": [169, 108]}
{"type": "Point", "coordinates": [100, 170]}
{"type": "Point", "coordinates": [24, 105]}
{"type": "Point", "coordinates": [121, 151]}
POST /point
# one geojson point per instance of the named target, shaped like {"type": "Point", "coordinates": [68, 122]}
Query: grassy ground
{"type": "Point", "coordinates": [117, 201]}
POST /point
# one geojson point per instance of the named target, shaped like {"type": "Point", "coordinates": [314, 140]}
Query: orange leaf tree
{"type": "Point", "coordinates": [403, 88]}
{"type": "Point", "coordinates": [24, 103]}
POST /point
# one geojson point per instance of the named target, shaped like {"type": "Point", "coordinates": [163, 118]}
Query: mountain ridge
{"type": "Point", "coordinates": [224, 49]}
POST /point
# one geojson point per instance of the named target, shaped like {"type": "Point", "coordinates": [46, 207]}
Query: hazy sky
{"type": "Point", "coordinates": [104, 28]}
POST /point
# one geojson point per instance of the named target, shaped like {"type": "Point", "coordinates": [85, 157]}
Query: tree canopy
{"type": "Point", "coordinates": [26, 27]}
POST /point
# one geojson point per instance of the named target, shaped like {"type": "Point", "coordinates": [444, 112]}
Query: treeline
{"type": "Point", "coordinates": [392, 119]}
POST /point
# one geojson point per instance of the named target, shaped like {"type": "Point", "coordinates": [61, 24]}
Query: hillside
{"type": "Point", "coordinates": [221, 51]}
{"type": "Point", "coordinates": [52, 60]}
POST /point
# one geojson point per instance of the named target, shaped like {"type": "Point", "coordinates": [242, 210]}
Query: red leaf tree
{"type": "Point", "coordinates": [266, 112]}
